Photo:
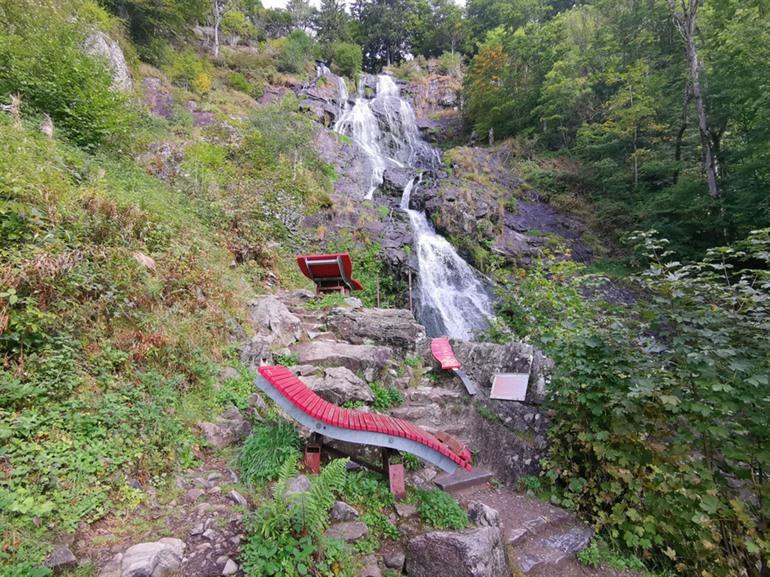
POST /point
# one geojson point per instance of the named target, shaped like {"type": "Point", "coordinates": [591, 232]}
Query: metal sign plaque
{"type": "Point", "coordinates": [510, 386]}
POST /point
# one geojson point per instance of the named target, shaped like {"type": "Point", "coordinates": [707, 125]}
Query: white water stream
{"type": "Point", "coordinates": [451, 298]}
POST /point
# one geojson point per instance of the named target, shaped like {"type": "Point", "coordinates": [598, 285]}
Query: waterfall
{"type": "Point", "coordinates": [451, 298]}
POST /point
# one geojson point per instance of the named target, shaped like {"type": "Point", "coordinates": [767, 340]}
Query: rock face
{"type": "Point", "coordinates": [333, 353]}
{"type": "Point", "coordinates": [157, 98]}
{"type": "Point", "coordinates": [100, 45]}
{"type": "Point", "coordinates": [395, 328]}
{"type": "Point", "coordinates": [470, 553]}
{"type": "Point", "coordinates": [159, 559]}
{"type": "Point", "coordinates": [273, 320]}
{"type": "Point", "coordinates": [340, 385]}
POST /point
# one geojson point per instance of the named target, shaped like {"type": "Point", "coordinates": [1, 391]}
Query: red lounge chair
{"type": "Point", "coordinates": [329, 272]}
{"type": "Point", "coordinates": [360, 427]}
{"type": "Point", "coordinates": [443, 353]}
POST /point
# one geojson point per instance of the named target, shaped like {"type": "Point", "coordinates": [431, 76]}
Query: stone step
{"type": "Point", "coordinates": [550, 548]}
{"type": "Point", "coordinates": [321, 336]}
{"type": "Point", "coordinates": [462, 479]}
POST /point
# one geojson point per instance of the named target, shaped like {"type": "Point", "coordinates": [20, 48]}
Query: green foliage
{"type": "Point", "coordinates": [487, 414]}
{"type": "Point", "coordinates": [599, 554]}
{"type": "Point", "coordinates": [346, 58]}
{"type": "Point", "coordinates": [42, 60]}
{"type": "Point", "coordinates": [608, 85]}
{"type": "Point", "coordinates": [297, 53]}
{"type": "Point", "coordinates": [385, 397]}
{"type": "Point", "coordinates": [287, 360]}
{"type": "Point", "coordinates": [367, 490]}
{"type": "Point", "coordinates": [440, 510]}
{"type": "Point", "coordinates": [236, 25]}
{"type": "Point", "coordinates": [268, 448]}
{"type": "Point", "coordinates": [658, 414]}
{"type": "Point", "coordinates": [189, 70]}
{"type": "Point", "coordinates": [286, 532]}
{"type": "Point", "coordinates": [328, 301]}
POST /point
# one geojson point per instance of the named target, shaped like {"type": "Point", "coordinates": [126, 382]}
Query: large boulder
{"type": "Point", "coordinates": [469, 553]}
{"type": "Point", "coordinates": [337, 354]}
{"type": "Point", "coordinates": [100, 45]}
{"type": "Point", "coordinates": [395, 328]}
{"type": "Point", "coordinates": [340, 385]}
{"type": "Point", "coordinates": [272, 319]}
{"type": "Point", "coordinates": [162, 558]}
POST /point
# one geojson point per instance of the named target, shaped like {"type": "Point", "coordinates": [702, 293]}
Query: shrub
{"type": "Point", "coordinates": [286, 534]}
{"type": "Point", "coordinates": [189, 71]}
{"type": "Point", "coordinates": [269, 446]}
{"type": "Point", "coordinates": [451, 64]}
{"type": "Point", "coordinates": [297, 52]}
{"type": "Point", "coordinates": [42, 60]}
{"type": "Point", "coordinates": [440, 510]}
{"type": "Point", "coordinates": [347, 59]}
{"type": "Point", "coordinates": [385, 397]}
{"type": "Point", "coordinates": [235, 26]}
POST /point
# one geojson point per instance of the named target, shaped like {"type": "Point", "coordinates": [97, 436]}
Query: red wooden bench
{"type": "Point", "coordinates": [329, 420]}
{"type": "Point", "coordinates": [329, 272]}
{"type": "Point", "coordinates": [443, 353]}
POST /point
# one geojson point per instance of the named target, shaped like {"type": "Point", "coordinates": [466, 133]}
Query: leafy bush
{"type": "Point", "coordinates": [270, 445]}
{"type": "Point", "coordinates": [42, 60]}
{"type": "Point", "coordinates": [189, 71]}
{"type": "Point", "coordinates": [451, 64]}
{"type": "Point", "coordinates": [286, 534]}
{"type": "Point", "coordinates": [347, 59]}
{"type": "Point", "coordinates": [298, 51]}
{"type": "Point", "coordinates": [385, 397]}
{"type": "Point", "coordinates": [440, 510]}
{"type": "Point", "coordinates": [660, 431]}
{"type": "Point", "coordinates": [236, 26]}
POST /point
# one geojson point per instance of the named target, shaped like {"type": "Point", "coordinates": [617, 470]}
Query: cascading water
{"type": "Point", "coordinates": [451, 299]}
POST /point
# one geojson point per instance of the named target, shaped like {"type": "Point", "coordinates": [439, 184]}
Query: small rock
{"type": "Point", "coordinates": [193, 495]}
{"type": "Point", "coordinates": [405, 510]}
{"type": "Point", "coordinates": [482, 515]}
{"type": "Point", "coordinates": [236, 497]}
{"type": "Point", "coordinates": [231, 568]}
{"type": "Point", "coordinates": [349, 531]}
{"type": "Point", "coordinates": [298, 484]}
{"type": "Point", "coordinates": [469, 553]}
{"type": "Point", "coordinates": [341, 511]}
{"type": "Point", "coordinates": [60, 558]}
{"type": "Point", "coordinates": [371, 569]}
{"type": "Point", "coordinates": [215, 490]}
{"type": "Point", "coordinates": [393, 557]}
{"type": "Point", "coordinates": [162, 558]}
{"type": "Point", "coordinates": [210, 534]}
{"type": "Point", "coordinates": [222, 559]}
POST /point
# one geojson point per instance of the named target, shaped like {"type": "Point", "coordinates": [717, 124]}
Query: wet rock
{"type": "Point", "coordinates": [341, 511]}
{"type": "Point", "coordinates": [395, 179]}
{"type": "Point", "coordinates": [340, 385]}
{"type": "Point", "coordinates": [350, 531]}
{"type": "Point", "coordinates": [470, 553]}
{"type": "Point", "coordinates": [100, 45]}
{"type": "Point", "coordinates": [60, 558]}
{"type": "Point", "coordinates": [482, 515]}
{"type": "Point", "coordinates": [395, 328]}
{"type": "Point", "coordinates": [333, 353]}
{"type": "Point", "coordinates": [272, 319]}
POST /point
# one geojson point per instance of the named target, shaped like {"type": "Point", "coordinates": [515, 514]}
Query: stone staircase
{"type": "Point", "coordinates": [541, 540]}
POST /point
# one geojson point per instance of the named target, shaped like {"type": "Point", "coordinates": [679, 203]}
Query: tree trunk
{"type": "Point", "coordinates": [217, 19]}
{"type": "Point", "coordinates": [685, 23]}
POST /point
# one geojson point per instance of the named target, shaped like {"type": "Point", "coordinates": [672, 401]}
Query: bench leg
{"type": "Point", "coordinates": [313, 458]}
{"type": "Point", "coordinates": [395, 475]}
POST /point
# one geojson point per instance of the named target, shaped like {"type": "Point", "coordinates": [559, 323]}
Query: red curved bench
{"type": "Point", "coordinates": [329, 272]}
{"type": "Point", "coordinates": [329, 420]}
{"type": "Point", "coordinates": [443, 353]}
